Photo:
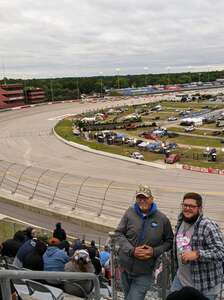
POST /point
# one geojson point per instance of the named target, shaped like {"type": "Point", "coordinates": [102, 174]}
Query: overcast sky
{"type": "Point", "coordinates": [52, 38]}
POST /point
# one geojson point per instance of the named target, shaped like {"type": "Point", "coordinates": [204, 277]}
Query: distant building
{"type": "Point", "coordinates": [35, 95]}
{"type": "Point", "coordinates": [11, 95]}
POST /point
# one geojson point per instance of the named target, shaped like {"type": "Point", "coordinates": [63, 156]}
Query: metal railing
{"type": "Point", "coordinates": [97, 197]}
{"type": "Point", "coordinates": [7, 275]}
{"type": "Point", "coordinates": [160, 288]}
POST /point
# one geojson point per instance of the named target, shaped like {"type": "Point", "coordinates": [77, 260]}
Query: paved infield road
{"type": "Point", "coordinates": [26, 138]}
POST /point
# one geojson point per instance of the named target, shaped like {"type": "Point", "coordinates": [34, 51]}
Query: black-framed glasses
{"type": "Point", "coordinates": [191, 206]}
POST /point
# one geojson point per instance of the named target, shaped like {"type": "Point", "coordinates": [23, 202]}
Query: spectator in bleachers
{"type": "Point", "coordinates": [104, 255]}
{"type": "Point", "coordinates": [26, 247]}
{"type": "Point", "coordinates": [59, 233]}
{"type": "Point", "coordinates": [199, 249]}
{"type": "Point", "coordinates": [80, 262]}
{"type": "Point", "coordinates": [144, 233]}
{"type": "Point", "coordinates": [54, 258]}
{"type": "Point", "coordinates": [95, 260]}
{"type": "Point", "coordinates": [93, 245]}
{"type": "Point", "coordinates": [11, 246]}
{"type": "Point", "coordinates": [66, 246]}
{"type": "Point", "coordinates": [77, 245]}
{"type": "Point", "coordinates": [83, 244]}
{"type": "Point", "coordinates": [34, 259]}
{"type": "Point", "coordinates": [30, 232]}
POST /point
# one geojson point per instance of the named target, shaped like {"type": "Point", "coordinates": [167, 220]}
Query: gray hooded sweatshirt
{"type": "Point", "coordinates": [135, 229]}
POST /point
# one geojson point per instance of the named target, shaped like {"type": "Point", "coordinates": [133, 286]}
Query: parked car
{"type": "Point", "coordinates": [209, 152]}
{"type": "Point", "coordinates": [189, 129]}
{"type": "Point", "coordinates": [131, 126]}
{"type": "Point", "coordinates": [156, 118]}
{"type": "Point", "coordinates": [172, 134]}
{"type": "Point", "coordinates": [172, 119]}
{"type": "Point", "coordinates": [172, 158]}
{"type": "Point", "coordinates": [137, 155]}
{"type": "Point", "coordinates": [216, 133]}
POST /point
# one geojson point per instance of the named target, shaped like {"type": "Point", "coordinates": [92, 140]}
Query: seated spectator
{"type": "Point", "coordinates": [34, 259]}
{"type": "Point", "coordinates": [65, 245]}
{"type": "Point", "coordinates": [59, 233]}
{"type": "Point", "coordinates": [75, 246]}
{"type": "Point", "coordinates": [26, 247]}
{"type": "Point", "coordinates": [80, 263]}
{"type": "Point", "coordinates": [83, 244]}
{"type": "Point", "coordinates": [186, 293]}
{"type": "Point", "coordinates": [55, 258]}
{"type": "Point", "coordinates": [11, 246]}
{"type": "Point", "coordinates": [104, 255]}
{"type": "Point", "coordinates": [30, 233]}
{"type": "Point", "coordinates": [95, 260]}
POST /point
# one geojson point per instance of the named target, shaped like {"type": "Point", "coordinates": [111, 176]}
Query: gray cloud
{"type": "Point", "coordinates": [85, 37]}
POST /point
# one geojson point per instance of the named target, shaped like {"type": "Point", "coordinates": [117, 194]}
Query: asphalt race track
{"type": "Point", "coordinates": [26, 138]}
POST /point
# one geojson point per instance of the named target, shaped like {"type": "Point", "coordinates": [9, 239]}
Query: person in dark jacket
{"type": "Point", "coordinates": [144, 233]}
{"type": "Point", "coordinates": [29, 244]}
{"type": "Point", "coordinates": [59, 233]}
{"type": "Point", "coordinates": [11, 246]}
{"type": "Point", "coordinates": [30, 233]}
{"type": "Point", "coordinates": [95, 260]}
{"type": "Point", "coordinates": [34, 259]}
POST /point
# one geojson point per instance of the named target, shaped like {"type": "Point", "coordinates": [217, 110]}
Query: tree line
{"type": "Point", "coordinates": [72, 87]}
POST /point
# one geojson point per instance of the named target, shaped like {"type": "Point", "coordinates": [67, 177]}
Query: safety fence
{"type": "Point", "coordinates": [93, 196]}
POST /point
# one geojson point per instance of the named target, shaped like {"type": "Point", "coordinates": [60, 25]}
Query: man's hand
{"type": "Point", "coordinates": [189, 256]}
{"type": "Point", "coordinates": [143, 252]}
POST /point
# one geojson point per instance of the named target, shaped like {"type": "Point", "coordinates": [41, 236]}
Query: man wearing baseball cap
{"type": "Point", "coordinates": [143, 234]}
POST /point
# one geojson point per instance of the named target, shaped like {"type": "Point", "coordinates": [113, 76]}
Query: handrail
{"type": "Point", "coordinates": [7, 275]}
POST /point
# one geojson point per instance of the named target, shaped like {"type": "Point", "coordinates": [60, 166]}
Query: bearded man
{"type": "Point", "coordinates": [198, 249]}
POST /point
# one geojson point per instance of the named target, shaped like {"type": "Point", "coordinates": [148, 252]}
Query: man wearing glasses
{"type": "Point", "coordinates": [143, 234]}
{"type": "Point", "coordinates": [198, 249]}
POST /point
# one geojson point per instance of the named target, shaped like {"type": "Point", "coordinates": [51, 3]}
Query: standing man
{"type": "Point", "coordinates": [198, 249]}
{"type": "Point", "coordinates": [143, 234]}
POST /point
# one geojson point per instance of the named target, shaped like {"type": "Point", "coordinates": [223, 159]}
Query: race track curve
{"type": "Point", "coordinates": [26, 138]}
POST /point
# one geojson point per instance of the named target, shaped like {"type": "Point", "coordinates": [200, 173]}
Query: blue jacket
{"type": "Point", "coordinates": [104, 256]}
{"type": "Point", "coordinates": [55, 259]}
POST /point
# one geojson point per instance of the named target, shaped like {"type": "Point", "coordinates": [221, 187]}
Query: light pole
{"type": "Point", "coordinates": [118, 80]}
{"type": "Point", "coordinates": [168, 75]}
{"type": "Point", "coordinates": [24, 88]}
{"type": "Point", "coordinates": [77, 87]}
{"type": "Point", "coordinates": [208, 73]}
{"type": "Point", "coordinates": [101, 84]}
{"type": "Point", "coordinates": [189, 68]}
{"type": "Point", "coordinates": [52, 90]}
{"type": "Point", "coordinates": [146, 71]}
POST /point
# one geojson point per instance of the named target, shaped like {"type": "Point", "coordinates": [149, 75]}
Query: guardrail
{"type": "Point", "coordinates": [7, 275]}
{"type": "Point", "coordinates": [96, 197]}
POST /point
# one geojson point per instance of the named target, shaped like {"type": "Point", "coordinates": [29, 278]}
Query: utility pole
{"type": "Point", "coordinates": [146, 71]}
{"type": "Point", "coordinates": [101, 85]}
{"type": "Point", "coordinates": [52, 90]}
{"type": "Point", "coordinates": [118, 79]}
